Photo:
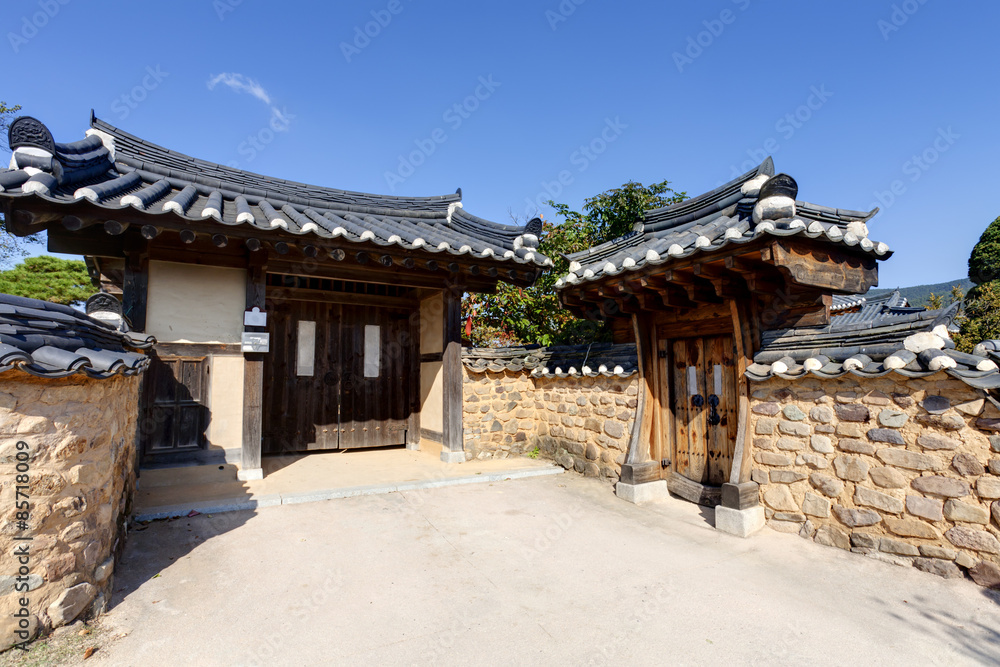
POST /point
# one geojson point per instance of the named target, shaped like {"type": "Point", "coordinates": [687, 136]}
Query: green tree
{"type": "Point", "coordinates": [981, 318]}
{"type": "Point", "coordinates": [984, 262]}
{"type": "Point", "coordinates": [10, 246]}
{"type": "Point", "coordinates": [533, 315]}
{"type": "Point", "coordinates": [48, 278]}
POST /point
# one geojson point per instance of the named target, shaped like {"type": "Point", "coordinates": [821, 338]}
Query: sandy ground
{"type": "Point", "coordinates": [550, 570]}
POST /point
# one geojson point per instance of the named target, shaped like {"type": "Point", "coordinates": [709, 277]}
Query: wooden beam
{"type": "Point", "coordinates": [451, 371]}
{"type": "Point", "coordinates": [220, 240]}
{"type": "Point", "coordinates": [253, 374]}
{"type": "Point", "coordinates": [824, 268]}
{"type": "Point", "coordinates": [325, 296]}
{"type": "Point", "coordinates": [136, 284]}
{"type": "Point", "coordinates": [115, 227]}
{"type": "Point", "coordinates": [149, 232]}
{"type": "Point", "coordinates": [188, 236]}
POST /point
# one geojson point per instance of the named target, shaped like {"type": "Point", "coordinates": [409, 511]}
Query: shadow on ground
{"type": "Point", "coordinates": [143, 560]}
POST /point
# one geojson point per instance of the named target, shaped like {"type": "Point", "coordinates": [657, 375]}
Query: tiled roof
{"type": "Point", "coordinates": [115, 170]}
{"type": "Point", "coordinates": [605, 359]}
{"type": "Point", "coordinates": [755, 205]}
{"type": "Point", "coordinates": [869, 308]}
{"type": "Point", "coordinates": [912, 345]}
{"type": "Point", "coordinates": [52, 341]}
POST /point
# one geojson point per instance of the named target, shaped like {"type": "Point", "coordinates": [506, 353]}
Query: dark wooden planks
{"type": "Point", "coordinates": [253, 372]}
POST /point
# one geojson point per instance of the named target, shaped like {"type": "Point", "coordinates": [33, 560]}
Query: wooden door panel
{"type": "Point", "coordinates": [703, 451]}
{"type": "Point", "coordinates": [177, 405]}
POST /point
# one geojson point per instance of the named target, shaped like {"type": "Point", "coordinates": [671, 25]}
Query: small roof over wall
{"type": "Point", "coordinates": [756, 205]}
{"type": "Point", "coordinates": [913, 345]}
{"type": "Point", "coordinates": [50, 340]}
{"type": "Point", "coordinates": [599, 359]}
{"type": "Point", "coordinates": [854, 308]}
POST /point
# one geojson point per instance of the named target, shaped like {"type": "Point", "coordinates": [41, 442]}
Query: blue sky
{"type": "Point", "coordinates": [889, 104]}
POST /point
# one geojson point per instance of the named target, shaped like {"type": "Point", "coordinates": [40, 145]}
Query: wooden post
{"type": "Point", "coordinates": [253, 376]}
{"type": "Point", "coordinates": [743, 338]}
{"type": "Point", "coordinates": [136, 284]}
{"type": "Point", "coordinates": [451, 371]}
{"type": "Point", "coordinates": [638, 468]}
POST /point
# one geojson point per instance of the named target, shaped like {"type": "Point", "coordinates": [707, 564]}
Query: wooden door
{"type": "Point", "coordinates": [176, 414]}
{"type": "Point", "coordinates": [336, 377]}
{"type": "Point", "coordinates": [375, 349]}
{"type": "Point", "coordinates": [302, 378]}
{"type": "Point", "coordinates": [703, 406]}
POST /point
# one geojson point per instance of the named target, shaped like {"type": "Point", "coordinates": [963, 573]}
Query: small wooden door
{"type": "Point", "coordinates": [703, 394]}
{"type": "Point", "coordinates": [336, 377]}
{"type": "Point", "coordinates": [176, 414]}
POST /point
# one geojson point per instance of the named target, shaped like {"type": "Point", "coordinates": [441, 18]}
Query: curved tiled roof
{"type": "Point", "coordinates": [868, 308]}
{"type": "Point", "coordinates": [115, 170]}
{"type": "Point", "coordinates": [52, 341]}
{"type": "Point", "coordinates": [731, 214]}
{"type": "Point", "coordinates": [606, 359]}
{"type": "Point", "coordinates": [912, 345]}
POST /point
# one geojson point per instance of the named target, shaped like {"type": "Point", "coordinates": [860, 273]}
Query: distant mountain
{"type": "Point", "coordinates": [920, 295]}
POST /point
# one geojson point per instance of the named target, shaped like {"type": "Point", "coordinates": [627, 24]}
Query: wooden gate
{"type": "Point", "coordinates": [337, 377]}
{"type": "Point", "coordinates": [704, 408]}
{"type": "Point", "coordinates": [175, 416]}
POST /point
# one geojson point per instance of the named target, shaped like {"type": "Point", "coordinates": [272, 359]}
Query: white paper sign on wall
{"type": "Point", "coordinates": [256, 342]}
{"type": "Point", "coordinates": [254, 318]}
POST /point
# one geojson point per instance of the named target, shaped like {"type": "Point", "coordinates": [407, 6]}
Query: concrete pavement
{"type": "Point", "coordinates": [548, 570]}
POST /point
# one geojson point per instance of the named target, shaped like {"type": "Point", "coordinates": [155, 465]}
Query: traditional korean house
{"type": "Point", "coordinates": [288, 317]}
{"type": "Point", "coordinates": [697, 285]}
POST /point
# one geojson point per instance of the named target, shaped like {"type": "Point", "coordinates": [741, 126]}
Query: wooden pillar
{"type": "Point", "coordinates": [253, 376]}
{"type": "Point", "coordinates": [741, 493]}
{"type": "Point", "coordinates": [136, 284]}
{"type": "Point", "coordinates": [638, 468]}
{"type": "Point", "coordinates": [451, 371]}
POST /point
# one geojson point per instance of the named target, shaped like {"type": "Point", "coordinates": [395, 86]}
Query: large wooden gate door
{"type": "Point", "coordinates": [337, 377]}
{"type": "Point", "coordinates": [704, 407]}
{"type": "Point", "coordinates": [374, 355]}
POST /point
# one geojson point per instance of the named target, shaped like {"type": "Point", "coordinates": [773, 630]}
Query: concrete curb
{"type": "Point", "coordinates": [242, 503]}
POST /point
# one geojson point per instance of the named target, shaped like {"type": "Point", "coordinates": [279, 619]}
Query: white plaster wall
{"type": "Point", "coordinates": [225, 429]}
{"type": "Point", "coordinates": [195, 304]}
{"type": "Point", "coordinates": [431, 396]}
{"type": "Point", "coordinates": [431, 377]}
{"type": "Point", "coordinates": [432, 324]}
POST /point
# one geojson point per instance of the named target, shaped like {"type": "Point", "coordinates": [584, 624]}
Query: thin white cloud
{"type": "Point", "coordinates": [240, 84]}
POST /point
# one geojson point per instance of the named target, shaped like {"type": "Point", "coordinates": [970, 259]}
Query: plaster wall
{"type": "Point", "coordinates": [189, 303]}
{"type": "Point", "coordinates": [431, 377]}
{"type": "Point", "coordinates": [225, 429]}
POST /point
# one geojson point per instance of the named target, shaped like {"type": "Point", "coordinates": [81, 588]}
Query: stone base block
{"type": "Point", "coordinates": [449, 456]}
{"type": "Point", "coordinates": [642, 493]}
{"type": "Point", "coordinates": [742, 523]}
{"type": "Point", "coordinates": [413, 446]}
{"type": "Point", "coordinates": [247, 475]}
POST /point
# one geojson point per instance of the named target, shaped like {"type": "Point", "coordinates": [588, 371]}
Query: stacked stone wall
{"type": "Point", "coordinates": [902, 470]}
{"type": "Point", "coordinates": [78, 457]}
{"type": "Point", "coordinates": [582, 423]}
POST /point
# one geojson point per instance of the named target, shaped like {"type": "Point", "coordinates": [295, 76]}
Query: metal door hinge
{"type": "Point", "coordinates": [662, 354]}
{"type": "Point", "coordinates": [665, 463]}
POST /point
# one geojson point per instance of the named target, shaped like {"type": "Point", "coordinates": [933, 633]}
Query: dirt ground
{"type": "Point", "coordinates": [549, 571]}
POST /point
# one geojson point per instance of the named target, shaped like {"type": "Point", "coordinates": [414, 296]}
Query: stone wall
{"type": "Point", "coordinates": [80, 451]}
{"type": "Point", "coordinates": [902, 470]}
{"type": "Point", "coordinates": [582, 423]}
